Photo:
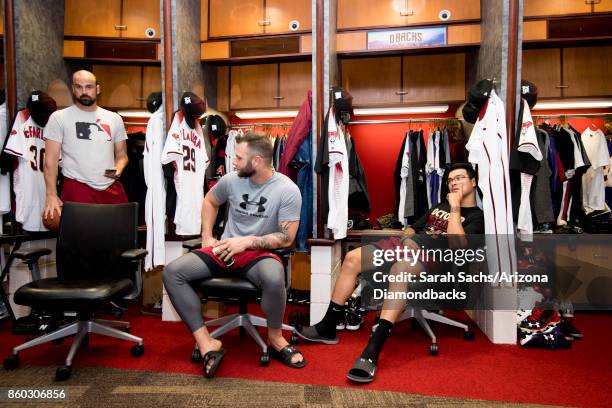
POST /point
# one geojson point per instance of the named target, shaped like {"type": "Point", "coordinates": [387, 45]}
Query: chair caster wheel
{"type": "Point", "coordinates": [137, 350]}
{"type": "Point", "coordinates": [63, 373]}
{"type": "Point", "coordinates": [433, 349]}
{"type": "Point", "coordinates": [264, 360]}
{"type": "Point", "coordinates": [294, 338]}
{"type": "Point", "coordinates": [11, 362]}
{"type": "Point", "coordinates": [196, 356]}
{"type": "Point", "coordinates": [57, 341]}
{"type": "Point", "coordinates": [468, 335]}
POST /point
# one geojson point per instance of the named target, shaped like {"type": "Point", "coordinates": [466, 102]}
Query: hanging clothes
{"type": "Point", "coordinates": [155, 201]}
{"type": "Point", "coordinates": [26, 142]}
{"type": "Point", "coordinates": [415, 202]}
{"type": "Point", "coordinates": [302, 162]}
{"type": "Point", "coordinates": [358, 198]}
{"type": "Point", "coordinates": [338, 186]}
{"type": "Point", "coordinates": [524, 165]}
{"type": "Point", "coordinates": [593, 184]}
{"type": "Point", "coordinates": [300, 130]}
{"type": "Point", "coordinates": [438, 161]}
{"type": "Point", "coordinates": [230, 150]}
{"type": "Point", "coordinates": [541, 194]}
{"type": "Point", "coordinates": [5, 182]}
{"type": "Point", "coordinates": [184, 147]}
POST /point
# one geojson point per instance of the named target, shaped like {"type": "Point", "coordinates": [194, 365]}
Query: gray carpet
{"type": "Point", "coordinates": [110, 387]}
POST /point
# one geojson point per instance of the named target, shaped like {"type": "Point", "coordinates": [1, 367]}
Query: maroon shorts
{"type": "Point", "coordinates": [243, 261]}
{"type": "Point", "coordinates": [73, 190]}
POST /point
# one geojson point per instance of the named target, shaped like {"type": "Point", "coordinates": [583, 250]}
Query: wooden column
{"type": "Point", "coordinates": [9, 59]}
{"type": "Point", "coordinates": [168, 70]}
{"type": "Point", "coordinates": [512, 78]}
{"type": "Point", "coordinates": [321, 93]}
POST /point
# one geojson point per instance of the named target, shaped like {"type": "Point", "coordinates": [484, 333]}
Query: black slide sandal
{"type": "Point", "coordinates": [285, 355]}
{"type": "Point", "coordinates": [363, 371]}
{"type": "Point", "coordinates": [217, 357]}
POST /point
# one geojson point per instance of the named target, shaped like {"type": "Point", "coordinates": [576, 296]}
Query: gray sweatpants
{"type": "Point", "coordinates": [267, 274]}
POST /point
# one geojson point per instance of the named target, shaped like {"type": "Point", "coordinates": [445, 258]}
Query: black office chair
{"type": "Point", "coordinates": [236, 287]}
{"type": "Point", "coordinates": [97, 262]}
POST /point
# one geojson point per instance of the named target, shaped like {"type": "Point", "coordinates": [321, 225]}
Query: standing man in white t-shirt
{"type": "Point", "coordinates": [91, 141]}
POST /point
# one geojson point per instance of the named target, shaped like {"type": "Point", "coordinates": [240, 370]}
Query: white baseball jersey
{"type": "Point", "coordinates": [488, 148]}
{"type": "Point", "coordinates": [26, 142]}
{"type": "Point", "coordinates": [338, 187]}
{"type": "Point", "coordinates": [593, 184]}
{"type": "Point", "coordinates": [404, 174]}
{"type": "Point", "coordinates": [185, 147]}
{"type": "Point", "coordinates": [155, 202]}
{"type": "Point", "coordinates": [5, 182]}
{"type": "Point", "coordinates": [230, 150]}
{"type": "Point", "coordinates": [527, 143]}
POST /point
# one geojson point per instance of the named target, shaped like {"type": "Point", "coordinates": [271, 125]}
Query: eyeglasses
{"type": "Point", "coordinates": [457, 178]}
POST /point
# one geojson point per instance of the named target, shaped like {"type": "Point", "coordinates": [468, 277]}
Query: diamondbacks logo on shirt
{"type": "Point", "coordinates": [87, 130]}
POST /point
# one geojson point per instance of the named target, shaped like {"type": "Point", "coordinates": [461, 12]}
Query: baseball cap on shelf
{"type": "Point", "coordinates": [477, 97]}
{"type": "Point", "coordinates": [216, 125]}
{"type": "Point", "coordinates": [41, 106]}
{"type": "Point", "coordinates": [154, 101]}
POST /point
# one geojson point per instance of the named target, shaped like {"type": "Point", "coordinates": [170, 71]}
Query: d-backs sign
{"type": "Point", "coordinates": [414, 38]}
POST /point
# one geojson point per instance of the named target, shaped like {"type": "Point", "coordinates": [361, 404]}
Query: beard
{"type": "Point", "coordinates": [86, 100]}
{"type": "Point", "coordinates": [246, 172]}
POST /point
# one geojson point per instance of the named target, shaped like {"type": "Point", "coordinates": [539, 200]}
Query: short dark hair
{"type": "Point", "coordinates": [465, 166]}
{"type": "Point", "coordinates": [258, 143]}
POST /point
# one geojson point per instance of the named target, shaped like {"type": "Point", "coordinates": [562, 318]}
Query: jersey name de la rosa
{"type": "Point", "coordinates": [185, 147]}
{"type": "Point", "coordinates": [88, 143]}
{"type": "Point", "coordinates": [257, 209]}
{"type": "Point", "coordinates": [27, 143]}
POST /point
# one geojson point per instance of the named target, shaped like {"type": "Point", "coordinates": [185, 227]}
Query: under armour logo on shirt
{"type": "Point", "coordinates": [260, 205]}
{"type": "Point", "coordinates": [187, 99]}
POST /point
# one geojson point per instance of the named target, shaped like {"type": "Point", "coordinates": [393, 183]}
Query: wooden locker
{"type": "Point", "coordinates": [373, 81]}
{"type": "Point", "coordinates": [100, 18]}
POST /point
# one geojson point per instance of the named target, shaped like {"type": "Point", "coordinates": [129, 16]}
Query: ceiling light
{"type": "Point", "coordinates": [572, 104]}
{"type": "Point", "coordinates": [401, 111]}
{"type": "Point", "coordinates": [267, 114]}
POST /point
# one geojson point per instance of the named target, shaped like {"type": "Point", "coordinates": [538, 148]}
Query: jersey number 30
{"type": "Point", "coordinates": [37, 162]}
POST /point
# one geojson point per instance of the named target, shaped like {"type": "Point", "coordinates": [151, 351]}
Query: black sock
{"type": "Point", "coordinates": [377, 340]}
{"type": "Point", "coordinates": [327, 326]}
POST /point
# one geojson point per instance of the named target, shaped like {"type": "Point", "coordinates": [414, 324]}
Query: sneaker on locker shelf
{"type": "Point", "coordinates": [353, 320]}
{"type": "Point", "coordinates": [540, 320]}
{"type": "Point", "coordinates": [551, 339]}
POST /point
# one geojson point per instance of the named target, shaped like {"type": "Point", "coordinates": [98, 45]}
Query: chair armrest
{"type": "Point", "coordinates": [193, 244]}
{"type": "Point", "coordinates": [134, 254]}
{"type": "Point", "coordinates": [283, 252]}
{"type": "Point", "coordinates": [31, 255]}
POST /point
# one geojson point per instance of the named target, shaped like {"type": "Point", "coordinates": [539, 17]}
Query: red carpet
{"type": "Point", "coordinates": [580, 376]}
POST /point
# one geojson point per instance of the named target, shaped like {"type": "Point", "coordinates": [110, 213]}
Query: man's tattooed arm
{"type": "Point", "coordinates": [282, 238]}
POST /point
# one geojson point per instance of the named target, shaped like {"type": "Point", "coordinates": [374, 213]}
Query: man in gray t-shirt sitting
{"type": "Point", "coordinates": [264, 213]}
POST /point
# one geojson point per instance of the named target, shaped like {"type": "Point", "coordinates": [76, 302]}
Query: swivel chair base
{"type": "Point", "coordinates": [80, 329]}
{"type": "Point", "coordinates": [422, 316]}
{"type": "Point", "coordinates": [245, 321]}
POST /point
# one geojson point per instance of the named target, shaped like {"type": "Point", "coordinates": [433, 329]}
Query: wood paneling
{"type": "Point", "coordinates": [464, 34]}
{"type": "Point", "coordinates": [223, 89]}
{"type": "Point", "coordinates": [351, 41]}
{"type": "Point", "coordinates": [74, 49]}
{"type": "Point", "coordinates": [556, 7]}
{"type": "Point", "coordinates": [121, 86]}
{"type": "Point", "coordinates": [427, 11]}
{"type": "Point", "coordinates": [253, 86]}
{"type": "Point", "coordinates": [306, 44]}
{"type": "Point", "coordinates": [295, 81]}
{"type": "Point", "coordinates": [203, 20]}
{"type": "Point", "coordinates": [370, 13]}
{"type": "Point", "coordinates": [151, 82]}
{"type": "Point", "coordinates": [543, 68]}
{"type": "Point", "coordinates": [138, 15]}
{"type": "Point", "coordinates": [372, 81]}
{"type": "Point", "coordinates": [434, 78]}
{"type": "Point", "coordinates": [92, 18]}
{"type": "Point", "coordinates": [2, 29]}
{"type": "Point", "coordinates": [534, 30]}
{"type": "Point", "coordinates": [281, 12]}
{"type": "Point", "coordinates": [603, 6]}
{"type": "Point", "coordinates": [214, 50]}
{"type": "Point", "coordinates": [236, 17]}
{"type": "Point", "coordinates": [2, 76]}
{"type": "Point", "coordinates": [586, 71]}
